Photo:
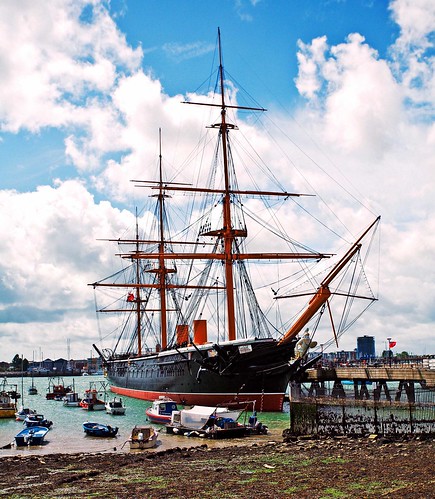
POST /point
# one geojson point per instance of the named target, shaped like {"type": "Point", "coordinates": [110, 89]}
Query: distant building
{"type": "Point", "coordinates": [365, 347]}
{"type": "Point", "coordinates": [60, 365]}
{"type": "Point", "coordinates": [46, 365]}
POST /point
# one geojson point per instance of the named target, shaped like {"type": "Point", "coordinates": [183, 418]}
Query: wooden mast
{"type": "Point", "coordinates": [162, 266]}
{"type": "Point", "coordinates": [227, 232]}
{"type": "Point", "coordinates": [227, 223]}
{"type": "Point", "coordinates": [323, 292]}
{"type": "Point", "coordinates": [137, 296]}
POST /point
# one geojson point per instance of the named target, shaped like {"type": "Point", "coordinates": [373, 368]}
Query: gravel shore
{"type": "Point", "coordinates": [295, 467]}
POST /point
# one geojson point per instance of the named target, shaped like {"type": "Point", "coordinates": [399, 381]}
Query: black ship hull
{"type": "Point", "coordinates": [256, 370]}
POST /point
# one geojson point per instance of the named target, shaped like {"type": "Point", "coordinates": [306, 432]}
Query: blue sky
{"type": "Point", "coordinates": [260, 37]}
{"type": "Point", "coordinates": [86, 84]}
{"type": "Point", "coordinates": [178, 39]}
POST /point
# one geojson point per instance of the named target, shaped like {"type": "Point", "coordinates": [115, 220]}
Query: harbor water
{"type": "Point", "coordinates": [67, 435]}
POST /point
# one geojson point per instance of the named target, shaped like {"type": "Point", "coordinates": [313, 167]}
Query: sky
{"type": "Point", "coordinates": [85, 85]}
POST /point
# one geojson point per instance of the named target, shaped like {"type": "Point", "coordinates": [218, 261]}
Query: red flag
{"type": "Point", "coordinates": [130, 297]}
{"type": "Point", "coordinates": [392, 344]}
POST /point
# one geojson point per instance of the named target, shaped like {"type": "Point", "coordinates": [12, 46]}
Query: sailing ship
{"type": "Point", "coordinates": [192, 326]}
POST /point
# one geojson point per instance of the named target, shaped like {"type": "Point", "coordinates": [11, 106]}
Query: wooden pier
{"type": "Point", "coordinates": [368, 382]}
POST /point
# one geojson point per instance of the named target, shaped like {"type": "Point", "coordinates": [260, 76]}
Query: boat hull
{"type": "Point", "coordinates": [115, 411]}
{"type": "Point", "coordinates": [7, 412]}
{"type": "Point", "coordinates": [261, 375]}
{"type": "Point", "coordinates": [143, 437]}
{"type": "Point", "coordinates": [99, 430]}
{"type": "Point", "coordinates": [157, 418]}
{"type": "Point", "coordinates": [92, 406]}
{"type": "Point", "coordinates": [31, 436]}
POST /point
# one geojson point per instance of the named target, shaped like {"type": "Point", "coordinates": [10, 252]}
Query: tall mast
{"type": "Point", "coordinates": [137, 297]}
{"type": "Point", "coordinates": [227, 233]}
{"type": "Point", "coordinates": [162, 267]}
{"type": "Point", "coordinates": [227, 227]}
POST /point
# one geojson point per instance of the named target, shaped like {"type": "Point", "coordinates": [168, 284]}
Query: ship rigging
{"type": "Point", "coordinates": [192, 331]}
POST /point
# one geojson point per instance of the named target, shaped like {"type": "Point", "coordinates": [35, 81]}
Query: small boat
{"type": "Point", "coordinates": [8, 408]}
{"type": "Point", "coordinates": [115, 407]}
{"type": "Point", "coordinates": [143, 437]}
{"type": "Point", "coordinates": [99, 430]}
{"type": "Point", "coordinates": [31, 436]}
{"type": "Point", "coordinates": [56, 391]}
{"type": "Point", "coordinates": [71, 399]}
{"type": "Point", "coordinates": [37, 420]}
{"type": "Point", "coordinates": [161, 410]}
{"type": "Point", "coordinates": [209, 422]}
{"type": "Point", "coordinates": [91, 402]}
{"type": "Point", "coordinates": [22, 414]}
{"type": "Point", "coordinates": [32, 390]}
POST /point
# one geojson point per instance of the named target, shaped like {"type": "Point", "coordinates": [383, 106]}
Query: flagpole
{"type": "Point", "coordinates": [389, 350]}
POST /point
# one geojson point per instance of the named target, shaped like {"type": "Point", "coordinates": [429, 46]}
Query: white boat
{"type": "Point", "coordinates": [198, 416]}
{"type": "Point", "coordinates": [32, 390]}
{"type": "Point", "coordinates": [208, 422]}
{"type": "Point", "coordinates": [143, 437]}
{"type": "Point", "coordinates": [161, 410]}
{"type": "Point", "coordinates": [23, 412]}
{"type": "Point", "coordinates": [71, 399]}
{"type": "Point", "coordinates": [115, 407]}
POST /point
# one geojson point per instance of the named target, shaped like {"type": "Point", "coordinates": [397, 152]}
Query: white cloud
{"type": "Point", "coordinates": [51, 58]}
{"type": "Point", "coordinates": [376, 120]}
{"type": "Point", "coordinates": [361, 99]}
{"type": "Point", "coordinates": [78, 74]}
{"type": "Point", "coordinates": [413, 51]}
{"type": "Point", "coordinates": [51, 253]}
{"type": "Point", "coordinates": [310, 58]}
{"type": "Point", "coordinates": [182, 52]}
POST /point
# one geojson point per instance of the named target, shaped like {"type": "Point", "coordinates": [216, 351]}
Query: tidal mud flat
{"type": "Point", "coordinates": [295, 467]}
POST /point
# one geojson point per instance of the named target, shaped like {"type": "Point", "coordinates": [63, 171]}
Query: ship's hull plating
{"type": "Point", "coordinates": [257, 370]}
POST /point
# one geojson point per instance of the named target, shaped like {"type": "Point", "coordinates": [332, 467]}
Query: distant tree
{"type": "Point", "coordinates": [16, 363]}
{"type": "Point", "coordinates": [387, 354]}
{"type": "Point", "coordinates": [19, 364]}
{"type": "Point", "coordinates": [403, 355]}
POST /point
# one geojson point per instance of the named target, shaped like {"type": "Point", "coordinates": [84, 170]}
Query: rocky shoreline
{"type": "Point", "coordinates": [303, 467]}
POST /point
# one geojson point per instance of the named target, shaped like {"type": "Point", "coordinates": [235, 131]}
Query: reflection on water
{"type": "Point", "coordinates": [66, 434]}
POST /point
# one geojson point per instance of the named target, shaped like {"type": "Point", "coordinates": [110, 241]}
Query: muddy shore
{"type": "Point", "coordinates": [303, 467]}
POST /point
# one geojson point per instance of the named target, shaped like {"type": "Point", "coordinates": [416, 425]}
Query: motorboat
{"type": "Point", "coordinates": [91, 402]}
{"type": "Point", "coordinates": [115, 407]}
{"type": "Point", "coordinates": [33, 420]}
{"type": "Point", "coordinates": [22, 414]}
{"type": "Point", "coordinates": [161, 410]}
{"type": "Point", "coordinates": [8, 399]}
{"type": "Point", "coordinates": [143, 437]}
{"type": "Point", "coordinates": [56, 389]}
{"type": "Point", "coordinates": [99, 429]}
{"type": "Point", "coordinates": [71, 399]}
{"type": "Point", "coordinates": [210, 422]}
{"type": "Point", "coordinates": [31, 436]}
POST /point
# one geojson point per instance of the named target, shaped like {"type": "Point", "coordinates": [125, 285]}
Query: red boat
{"type": "Point", "coordinates": [91, 402]}
{"type": "Point", "coordinates": [57, 391]}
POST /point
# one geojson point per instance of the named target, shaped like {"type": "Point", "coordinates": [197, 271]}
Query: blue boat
{"type": "Point", "coordinates": [31, 436]}
{"type": "Point", "coordinates": [99, 430]}
{"type": "Point", "coordinates": [37, 420]}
